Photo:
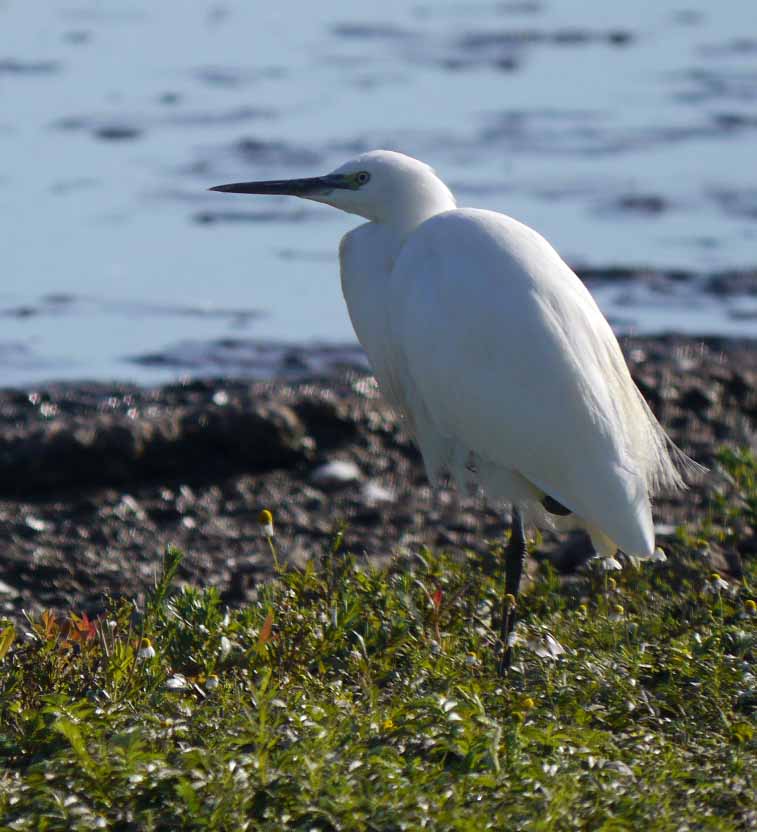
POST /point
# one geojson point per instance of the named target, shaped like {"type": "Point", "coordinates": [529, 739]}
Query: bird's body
{"type": "Point", "coordinates": [481, 335]}
{"type": "Point", "coordinates": [508, 373]}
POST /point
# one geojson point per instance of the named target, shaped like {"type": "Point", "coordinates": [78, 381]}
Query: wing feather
{"type": "Point", "coordinates": [501, 346]}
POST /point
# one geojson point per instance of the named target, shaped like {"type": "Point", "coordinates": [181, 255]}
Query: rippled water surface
{"type": "Point", "coordinates": [625, 132]}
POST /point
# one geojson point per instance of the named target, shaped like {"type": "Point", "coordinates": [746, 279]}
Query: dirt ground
{"type": "Point", "coordinates": [95, 480]}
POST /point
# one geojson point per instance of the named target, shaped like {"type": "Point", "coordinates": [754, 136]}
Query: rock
{"type": "Point", "coordinates": [8, 590]}
{"type": "Point", "coordinates": [336, 474]}
{"type": "Point", "coordinates": [35, 523]}
{"type": "Point", "coordinates": [270, 436]}
{"type": "Point", "coordinates": [197, 443]}
{"type": "Point", "coordinates": [374, 492]}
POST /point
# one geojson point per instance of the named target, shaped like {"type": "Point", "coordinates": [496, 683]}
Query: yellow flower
{"type": "Point", "coordinates": [265, 519]}
{"type": "Point", "coordinates": [583, 609]}
{"type": "Point", "coordinates": [717, 584]}
{"type": "Point", "coordinates": [750, 606]}
{"type": "Point", "coordinates": [388, 724]}
{"type": "Point", "coordinates": [617, 612]}
{"type": "Point", "coordinates": [527, 703]}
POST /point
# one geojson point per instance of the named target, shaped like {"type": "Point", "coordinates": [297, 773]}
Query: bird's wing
{"type": "Point", "coordinates": [366, 259]}
{"type": "Point", "coordinates": [367, 256]}
{"type": "Point", "coordinates": [499, 341]}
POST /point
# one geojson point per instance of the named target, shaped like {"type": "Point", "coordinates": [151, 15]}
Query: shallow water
{"type": "Point", "coordinates": [626, 133]}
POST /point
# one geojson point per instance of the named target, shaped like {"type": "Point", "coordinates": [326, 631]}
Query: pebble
{"type": "Point", "coordinates": [7, 589]}
{"type": "Point", "coordinates": [374, 492]}
{"type": "Point", "coordinates": [336, 473]}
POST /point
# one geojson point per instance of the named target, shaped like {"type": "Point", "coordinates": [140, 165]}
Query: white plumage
{"type": "Point", "coordinates": [508, 373]}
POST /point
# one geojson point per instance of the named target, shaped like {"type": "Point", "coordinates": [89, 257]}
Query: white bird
{"type": "Point", "coordinates": [507, 372]}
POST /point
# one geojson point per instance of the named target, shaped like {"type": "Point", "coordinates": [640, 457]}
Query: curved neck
{"type": "Point", "coordinates": [431, 198]}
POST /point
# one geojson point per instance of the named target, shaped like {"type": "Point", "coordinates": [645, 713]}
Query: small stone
{"type": "Point", "coordinates": [7, 589]}
{"type": "Point", "coordinates": [374, 492]}
{"type": "Point", "coordinates": [35, 523]}
{"type": "Point", "coordinates": [336, 473]}
{"type": "Point", "coordinates": [129, 506]}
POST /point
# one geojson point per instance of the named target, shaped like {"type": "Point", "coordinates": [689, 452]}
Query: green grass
{"type": "Point", "coordinates": [350, 698]}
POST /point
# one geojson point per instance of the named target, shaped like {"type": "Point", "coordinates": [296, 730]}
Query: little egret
{"type": "Point", "coordinates": [509, 376]}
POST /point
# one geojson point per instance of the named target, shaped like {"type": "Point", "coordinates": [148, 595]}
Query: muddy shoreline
{"type": "Point", "coordinates": [96, 479]}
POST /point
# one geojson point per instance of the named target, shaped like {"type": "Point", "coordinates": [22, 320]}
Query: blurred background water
{"type": "Point", "coordinates": [624, 132]}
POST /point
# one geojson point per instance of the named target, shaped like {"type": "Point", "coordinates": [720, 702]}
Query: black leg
{"type": "Point", "coordinates": [515, 556]}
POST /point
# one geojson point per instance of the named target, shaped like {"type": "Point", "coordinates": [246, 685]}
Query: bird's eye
{"type": "Point", "coordinates": [362, 177]}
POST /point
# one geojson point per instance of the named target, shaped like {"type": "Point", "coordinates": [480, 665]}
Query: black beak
{"type": "Point", "coordinates": [315, 185]}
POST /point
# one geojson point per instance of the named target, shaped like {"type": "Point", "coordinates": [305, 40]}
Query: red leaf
{"type": "Point", "coordinates": [86, 627]}
{"type": "Point", "coordinates": [50, 628]}
{"type": "Point", "coordinates": [436, 599]}
{"type": "Point", "coordinates": [265, 631]}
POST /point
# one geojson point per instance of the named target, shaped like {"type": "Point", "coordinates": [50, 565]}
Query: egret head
{"type": "Point", "coordinates": [382, 186]}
